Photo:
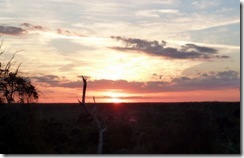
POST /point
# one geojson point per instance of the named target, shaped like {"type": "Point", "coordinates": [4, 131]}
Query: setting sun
{"type": "Point", "coordinates": [115, 100]}
{"type": "Point", "coordinates": [114, 96]}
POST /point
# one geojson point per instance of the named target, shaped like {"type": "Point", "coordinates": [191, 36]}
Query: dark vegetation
{"type": "Point", "coordinates": [15, 88]}
{"type": "Point", "coordinates": [134, 128]}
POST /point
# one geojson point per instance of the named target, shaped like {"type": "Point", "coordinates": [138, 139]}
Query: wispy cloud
{"type": "Point", "coordinates": [60, 31]}
{"type": "Point", "coordinates": [200, 4]}
{"type": "Point", "coordinates": [187, 51]}
{"type": "Point", "coordinates": [67, 32]}
{"type": "Point", "coordinates": [165, 2]}
{"type": "Point", "coordinates": [156, 13]}
{"type": "Point", "coordinates": [28, 26]}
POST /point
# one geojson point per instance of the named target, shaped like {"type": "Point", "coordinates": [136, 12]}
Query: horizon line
{"type": "Point", "coordinates": [128, 102]}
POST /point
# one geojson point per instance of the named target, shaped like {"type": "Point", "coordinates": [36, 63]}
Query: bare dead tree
{"type": "Point", "coordinates": [93, 114]}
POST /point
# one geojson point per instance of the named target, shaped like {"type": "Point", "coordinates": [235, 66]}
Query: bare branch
{"type": "Point", "coordinates": [94, 108]}
{"type": "Point", "coordinates": [17, 70]}
{"type": "Point", "coordinates": [101, 130]}
{"type": "Point", "coordinates": [83, 106]}
{"type": "Point", "coordinates": [104, 129]}
{"type": "Point", "coordinates": [94, 99]}
{"type": "Point", "coordinates": [7, 67]}
{"type": "Point", "coordinates": [84, 90]}
{"type": "Point", "coordinates": [2, 50]}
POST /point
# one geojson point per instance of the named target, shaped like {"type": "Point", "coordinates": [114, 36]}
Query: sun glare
{"type": "Point", "coordinates": [116, 100]}
{"type": "Point", "coordinates": [114, 96]}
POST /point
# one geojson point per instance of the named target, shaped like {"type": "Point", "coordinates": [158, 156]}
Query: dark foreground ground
{"type": "Point", "coordinates": [148, 128]}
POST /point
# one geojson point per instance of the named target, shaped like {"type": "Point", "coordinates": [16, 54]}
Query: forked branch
{"type": "Point", "coordinates": [92, 113]}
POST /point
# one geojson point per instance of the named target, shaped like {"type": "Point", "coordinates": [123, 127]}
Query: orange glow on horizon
{"type": "Point", "coordinates": [63, 95]}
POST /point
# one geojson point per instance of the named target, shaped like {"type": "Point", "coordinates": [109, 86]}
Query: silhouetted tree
{"type": "Point", "coordinates": [13, 87]}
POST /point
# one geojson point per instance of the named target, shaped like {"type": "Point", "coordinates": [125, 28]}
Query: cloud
{"type": "Point", "coordinates": [200, 4]}
{"type": "Point", "coordinates": [11, 30]}
{"type": "Point", "coordinates": [187, 51]}
{"type": "Point", "coordinates": [206, 81]}
{"type": "Point", "coordinates": [66, 47]}
{"type": "Point", "coordinates": [26, 28]}
{"type": "Point", "coordinates": [156, 13]}
{"type": "Point", "coordinates": [67, 32]}
{"type": "Point", "coordinates": [59, 31]}
{"type": "Point", "coordinates": [52, 80]}
{"type": "Point", "coordinates": [165, 2]}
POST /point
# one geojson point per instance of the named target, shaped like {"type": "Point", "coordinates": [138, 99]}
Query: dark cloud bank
{"type": "Point", "coordinates": [206, 81]}
{"type": "Point", "coordinates": [188, 51]}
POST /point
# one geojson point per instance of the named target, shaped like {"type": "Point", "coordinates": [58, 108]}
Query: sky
{"type": "Point", "coordinates": [129, 51]}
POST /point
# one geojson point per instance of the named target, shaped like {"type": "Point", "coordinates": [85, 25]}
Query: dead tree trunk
{"type": "Point", "coordinates": [92, 113]}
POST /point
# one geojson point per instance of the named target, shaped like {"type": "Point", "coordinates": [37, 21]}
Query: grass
{"type": "Point", "coordinates": [134, 128]}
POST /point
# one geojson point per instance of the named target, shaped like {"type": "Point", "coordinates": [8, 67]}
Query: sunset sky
{"type": "Point", "coordinates": [129, 51]}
